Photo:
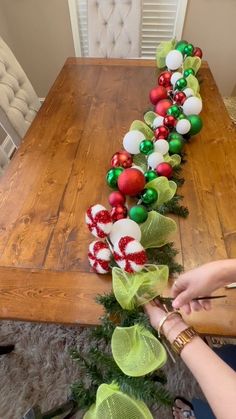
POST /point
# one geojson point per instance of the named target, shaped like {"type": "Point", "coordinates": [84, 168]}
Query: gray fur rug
{"type": "Point", "coordinates": [40, 370]}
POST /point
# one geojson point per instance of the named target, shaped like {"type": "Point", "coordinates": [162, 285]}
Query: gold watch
{"type": "Point", "coordinates": [183, 339]}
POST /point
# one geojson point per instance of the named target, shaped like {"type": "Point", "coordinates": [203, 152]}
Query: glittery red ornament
{"type": "Point", "coordinates": [164, 78]}
{"type": "Point", "coordinates": [122, 159]}
{"type": "Point", "coordinates": [162, 106]}
{"type": "Point", "coordinates": [169, 121]}
{"type": "Point", "coordinates": [158, 93]}
{"type": "Point", "coordinates": [161, 132]}
{"type": "Point", "coordinates": [116, 198]}
{"type": "Point", "coordinates": [164, 169]}
{"type": "Point", "coordinates": [131, 182]}
{"type": "Point", "coordinates": [99, 256]}
{"type": "Point", "coordinates": [180, 98]}
{"type": "Point", "coordinates": [129, 254]}
{"type": "Point", "coordinates": [197, 52]}
{"type": "Point", "coordinates": [118, 212]}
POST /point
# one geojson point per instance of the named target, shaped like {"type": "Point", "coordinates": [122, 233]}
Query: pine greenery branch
{"type": "Point", "coordinates": [83, 395]}
{"type": "Point", "coordinates": [165, 255]}
{"type": "Point", "coordinates": [174, 207]}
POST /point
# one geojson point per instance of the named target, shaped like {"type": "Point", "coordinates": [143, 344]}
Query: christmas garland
{"type": "Point", "coordinates": [134, 243]}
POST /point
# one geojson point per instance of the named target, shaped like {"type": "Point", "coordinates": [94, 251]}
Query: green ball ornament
{"type": "Point", "coordinates": [112, 176]}
{"type": "Point", "coordinates": [149, 196]}
{"type": "Point", "coordinates": [181, 45]}
{"type": "Point", "coordinates": [188, 50]}
{"type": "Point", "coordinates": [138, 213]}
{"type": "Point", "coordinates": [174, 110]}
{"type": "Point", "coordinates": [196, 124]}
{"type": "Point", "coordinates": [150, 175]}
{"type": "Point", "coordinates": [175, 136]}
{"type": "Point", "coordinates": [146, 147]}
{"type": "Point", "coordinates": [189, 71]}
{"type": "Point", "coordinates": [175, 146]}
{"type": "Point", "coordinates": [181, 84]}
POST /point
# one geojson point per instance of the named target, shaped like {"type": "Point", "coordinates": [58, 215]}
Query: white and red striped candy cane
{"type": "Point", "coordinates": [98, 220]}
{"type": "Point", "coordinates": [99, 256]}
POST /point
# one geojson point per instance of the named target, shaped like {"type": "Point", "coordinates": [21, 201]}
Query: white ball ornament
{"type": "Point", "coordinates": [161, 146]}
{"type": "Point", "coordinates": [188, 92]}
{"type": "Point", "coordinates": [174, 59]}
{"type": "Point", "coordinates": [154, 159]}
{"type": "Point", "coordinates": [183, 126]}
{"type": "Point", "coordinates": [125, 227]}
{"type": "Point", "coordinates": [192, 106]}
{"type": "Point", "coordinates": [175, 76]}
{"type": "Point", "coordinates": [157, 122]}
{"type": "Point", "coordinates": [132, 140]}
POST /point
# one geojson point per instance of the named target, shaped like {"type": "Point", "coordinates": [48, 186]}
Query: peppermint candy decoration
{"type": "Point", "coordinates": [129, 254]}
{"type": "Point", "coordinates": [98, 220]}
{"type": "Point", "coordinates": [99, 257]}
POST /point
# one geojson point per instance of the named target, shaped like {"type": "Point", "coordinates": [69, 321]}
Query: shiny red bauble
{"type": "Point", "coordinates": [158, 93]}
{"type": "Point", "coordinates": [164, 169]}
{"type": "Point", "coordinates": [163, 106]}
{"type": "Point", "coordinates": [118, 212]}
{"type": "Point", "coordinates": [131, 182]}
{"type": "Point", "coordinates": [116, 198]}
{"type": "Point", "coordinates": [164, 78]}
{"type": "Point", "coordinates": [169, 121]}
{"type": "Point", "coordinates": [122, 159]}
{"type": "Point", "coordinates": [169, 88]}
{"type": "Point", "coordinates": [197, 52]}
{"type": "Point", "coordinates": [180, 98]}
{"type": "Point", "coordinates": [161, 132]}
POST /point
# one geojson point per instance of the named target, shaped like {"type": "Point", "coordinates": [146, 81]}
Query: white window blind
{"type": "Point", "coordinates": [161, 20]}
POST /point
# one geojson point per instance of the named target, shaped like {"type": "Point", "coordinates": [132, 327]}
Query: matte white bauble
{"type": "Point", "coordinates": [137, 167]}
{"type": "Point", "coordinates": [192, 106]}
{"type": "Point", "coordinates": [188, 92]}
{"type": "Point", "coordinates": [125, 227]}
{"type": "Point", "coordinates": [154, 159]}
{"type": "Point", "coordinates": [132, 140]}
{"type": "Point", "coordinates": [174, 59]}
{"type": "Point", "coordinates": [161, 146]}
{"type": "Point", "coordinates": [183, 126]}
{"type": "Point", "coordinates": [157, 122]}
{"type": "Point", "coordinates": [175, 76]}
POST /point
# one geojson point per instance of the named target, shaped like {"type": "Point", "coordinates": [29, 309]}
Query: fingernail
{"type": "Point", "coordinates": [175, 304]}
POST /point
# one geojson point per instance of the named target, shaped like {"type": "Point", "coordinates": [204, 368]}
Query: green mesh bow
{"type": "Point", "coordinates": [132, 290]}
{"type": "Point", "coordinates": [173, 160]}
{"type": "Point", "coordinates": [192, 62]}
{"type": "Point", "coordinates": [137, 351]}
{"type": "Point", "coordinates": [156, 230]}
{"type": "Point", "coordinates": [144, 128]}
{"type": "Point", "coordinates": [162, 51]}
{"type": "Point", "coordinates": [111, 403]}
{"type": "Point", "coordinates": [165, 188]}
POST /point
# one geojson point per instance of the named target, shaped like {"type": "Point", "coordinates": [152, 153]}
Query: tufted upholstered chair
{"type": "Point", "coordinates": [114, 28]}
{"type": "Point", "coordinates": [18, 100]}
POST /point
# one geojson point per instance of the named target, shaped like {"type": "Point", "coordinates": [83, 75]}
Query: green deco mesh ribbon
{"type": "Point", "coordinates": [111, 403]}
{"type": "Point", "coordinates": [137, 351]}
{"type": "Point", "coordinates": [165, 188]}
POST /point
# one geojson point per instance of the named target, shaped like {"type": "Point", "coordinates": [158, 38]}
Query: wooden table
{"type": "Point", "coordinates": [59, 171]}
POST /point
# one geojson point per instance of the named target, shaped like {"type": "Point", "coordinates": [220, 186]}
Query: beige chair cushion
{"type": "Point", "coordinates": [18, 100]}
{"type": "Point", "coordinates": [114, 28]}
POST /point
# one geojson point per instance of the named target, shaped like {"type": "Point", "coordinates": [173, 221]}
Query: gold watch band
{"type": "Point", "coordinates": [183, 339]}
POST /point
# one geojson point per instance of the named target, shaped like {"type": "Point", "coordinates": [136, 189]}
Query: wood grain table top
{"type": "Point", "coordinates": [59, 171]}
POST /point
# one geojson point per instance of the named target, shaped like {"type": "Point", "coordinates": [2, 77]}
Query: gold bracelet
{"type": "Point", "coordinates": [159, 331]}
{"type": "Point", "coordinates": [183, 339]}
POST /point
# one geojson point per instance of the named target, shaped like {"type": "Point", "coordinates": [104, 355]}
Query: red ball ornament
{"type": "Point", "coordinates": [122, 159]}
{"type": "Point", "coordinates": [118, 212]}
{"type": "Point", "coordinates": [116, 198]}
{"type": "Point", "coordinates": [164, 78]}
{"type": "Point", "coordinates": [197, 52]}
{"type": "Point", "coordinates": [131, 182]}
{"type": "Point", "coordinates": [180, 98]}
{"type": "Point", "coordinates": [161, 132]}
{"type": "Point", "coordinates": [164, 169]}
{"type": "Point", "coordinates": [158, 93]}
{"type": "Point", "coordinates": [163, 106]}
{"type": "Point", "coordinates": [169, 88]}
{"type": "Point", "coordinates": [169, 121]}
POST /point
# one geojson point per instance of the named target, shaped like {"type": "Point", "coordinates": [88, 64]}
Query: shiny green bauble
{"type": "Point", "coordinates": [181, 116]}
{"type": "Point", "coordinates": [150, 175]}
{"type": "Point", "coordinates": [146, 147]}
{"type": "Point", "coordinates": [181, 45]}
{"type": "Point", "coordinates": [175, 136]}
{"type": "Point", "coordinates": [174, 110]}
{"type": "Point", "coordinates": [189, 71]}
{"type": "Point", "coordinates": [188, 50]}
{"type": "Point", "coordinates": [175, 146]}
{"type": "Point", "coordinates": [181, 84]}
{"type": "Point", "coordinates": [196, 124]}
{"type": "Point", "coordinates": [149, 196]}
{"type": "Point", "coordinates": [138, 213]}
{"type": "Point", "coordinates": [112, 176]}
